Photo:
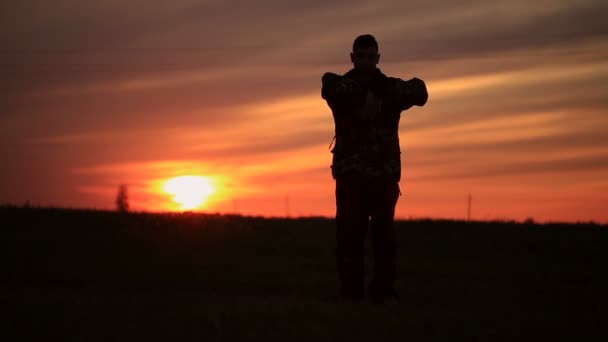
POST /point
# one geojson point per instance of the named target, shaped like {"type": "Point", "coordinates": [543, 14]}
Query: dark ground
{"type": "Point", "coordinates": [103, 276]}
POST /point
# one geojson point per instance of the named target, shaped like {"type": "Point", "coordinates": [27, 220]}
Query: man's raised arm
{"type": "Point", "coordinates": [411, 92]}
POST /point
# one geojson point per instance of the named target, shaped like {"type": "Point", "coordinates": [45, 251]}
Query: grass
{"type": "Point", "coordinates": [91, 275]}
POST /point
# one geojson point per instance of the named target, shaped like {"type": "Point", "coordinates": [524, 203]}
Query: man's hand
{"type": "Point", "coordinates": [338, 85]}
{"type": "Point", "coordinates": [410, 93]}
{"type": "Point", "coordinates": [415, 89]}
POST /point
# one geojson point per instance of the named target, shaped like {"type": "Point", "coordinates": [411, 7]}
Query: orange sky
{"type": "Point", "coordinates": [94, 95]}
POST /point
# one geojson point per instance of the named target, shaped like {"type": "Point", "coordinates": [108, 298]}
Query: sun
{"type": "Point", "coordinates": [189, 192]}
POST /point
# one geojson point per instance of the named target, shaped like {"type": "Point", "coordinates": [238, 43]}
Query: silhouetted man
{"type": "Point", "coordinates": [366, 106]}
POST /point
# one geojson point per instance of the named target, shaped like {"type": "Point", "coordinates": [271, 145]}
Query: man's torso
{"type": "Point", "coordinates": [367, 124]}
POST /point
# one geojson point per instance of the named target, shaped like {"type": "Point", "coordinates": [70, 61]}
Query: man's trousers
{"type": "Point", "coordinates": [359, 203]}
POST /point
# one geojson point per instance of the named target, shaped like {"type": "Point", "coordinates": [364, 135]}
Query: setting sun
{"type": "Point", "coordinates": [189, 192]}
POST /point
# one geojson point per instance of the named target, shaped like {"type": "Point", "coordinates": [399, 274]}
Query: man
{"type": "Point", "coordinates": [366, 106]}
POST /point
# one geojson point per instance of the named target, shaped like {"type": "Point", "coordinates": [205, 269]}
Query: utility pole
{"type": "Point", "coordinates": [469, 208]}
{"type": "Point", "coordinates": [286, 206]}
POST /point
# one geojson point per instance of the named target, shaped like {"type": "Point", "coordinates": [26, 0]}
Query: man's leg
{"type": "Point", "coordinates": [352, 220]}
{"type": "Point", "coordinates": [384, 240]}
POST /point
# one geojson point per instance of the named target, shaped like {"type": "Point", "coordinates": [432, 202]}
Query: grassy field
{"type": "Point", "coordinates": [103, 276]}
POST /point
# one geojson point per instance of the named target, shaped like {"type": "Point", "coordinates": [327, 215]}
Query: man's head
{"type": "Point", "coordinates": [365, 54]}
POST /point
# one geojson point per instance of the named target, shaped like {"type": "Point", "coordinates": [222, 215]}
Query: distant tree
{"type": "Point", "coordinates": [122, 200]}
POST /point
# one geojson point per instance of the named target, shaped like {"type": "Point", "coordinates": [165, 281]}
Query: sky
{"type": "Point", "coordinates": [98, 93]}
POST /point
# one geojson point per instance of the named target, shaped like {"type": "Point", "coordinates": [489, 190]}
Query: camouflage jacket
{"type": "Point", "coordinates": [367, 122]}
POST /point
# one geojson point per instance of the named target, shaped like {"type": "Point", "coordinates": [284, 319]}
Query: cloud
{"type": "Point", "coordinates": [495, 169]}
{"type": "Point", "coordinates": [204, 55]}
{"type": "Point", "coordinates": [118, 41]}
{"type": "Point", "coordinates": [219, 86]}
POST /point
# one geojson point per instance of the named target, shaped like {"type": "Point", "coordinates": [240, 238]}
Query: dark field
{"type": "Point", "coordinates": [105, 276]}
